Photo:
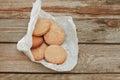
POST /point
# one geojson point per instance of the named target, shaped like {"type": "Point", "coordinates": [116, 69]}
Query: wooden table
{"type": "Point", "coordinates": [98, 29]}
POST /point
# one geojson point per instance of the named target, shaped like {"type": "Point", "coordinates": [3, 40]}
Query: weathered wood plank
{"type": "Point", "coordinates": [89, 31]}
{"type": "Point", "coordinates": [98, 31]}
{"type": "Point", "coordinates": [12, 29]}
{"type": "Point", "coordinates": [26, 15]}
{"type": "Point", "coordinates": [60, 76]}
{"type": "Point", "coordinates": [96, 8]}
{"type": "Point", "coordinates": [93, 58]}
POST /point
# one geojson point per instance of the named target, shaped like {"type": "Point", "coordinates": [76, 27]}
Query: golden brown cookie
{"type": "Point", "coordinates": [41, 27]}
{"type": "Point", "coordinates": [55, 54]}
{"type": "Point", "coordinates": [36, 41]}
{"type": "Point", "coordinates": [56, 35]}
{"type": "Point", "coordinates": [38, 53]}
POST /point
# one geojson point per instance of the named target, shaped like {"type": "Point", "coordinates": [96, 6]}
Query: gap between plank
{"type": "Point", "coordinates": [56, 73]}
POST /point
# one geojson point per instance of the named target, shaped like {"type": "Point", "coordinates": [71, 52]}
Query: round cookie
{"type": "Point", "coordinates": [36, 41]}
{"type": "Point", "coordinates": [55, 54]}
{"type": "Point", "coordinates": [55, 36]}
{"type": "Point", "coordinates": [38, 53]}
{"type": "Point", "coordinates": [41, 27]}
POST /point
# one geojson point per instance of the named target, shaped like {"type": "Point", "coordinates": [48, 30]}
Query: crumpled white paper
{"type": "Point", "coordinates": [70, 44]}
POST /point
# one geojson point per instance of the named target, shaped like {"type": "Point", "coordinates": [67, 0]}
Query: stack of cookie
{"type": "Point", "coordinates": [46, 41]}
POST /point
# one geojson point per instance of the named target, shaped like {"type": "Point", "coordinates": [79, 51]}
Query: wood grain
{"type": "Point", "coordinates": [60, 76]}
{"type": "Point", "coordinates": [93, 58]}
{"type": "Point", "coordinates": [89, 31]}
{"type": "Point", "coordinates": [77, 8]}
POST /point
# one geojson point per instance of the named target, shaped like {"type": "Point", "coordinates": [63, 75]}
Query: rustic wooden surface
{"type": "Point", "coordinates": [98, 30]}
{"type": "Point", "coordinates": [60, 76]}
{"type": "Point", "coordinates": [93, 58]}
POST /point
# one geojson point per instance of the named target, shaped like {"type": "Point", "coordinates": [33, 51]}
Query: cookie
{"type": "Point", "coordinates": [41, 27]}
{"type": "Point", "coordinates": [55, 54]}
{"type": "Point", "coordinates": [56, 35]}
{"type": "Point", "coordinates": [36, 41]}
{"type": "Point", "coordinates": [38, 53]}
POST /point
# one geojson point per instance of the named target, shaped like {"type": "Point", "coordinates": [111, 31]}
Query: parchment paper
{"type": "Point", "coordinates": [70, 44]}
